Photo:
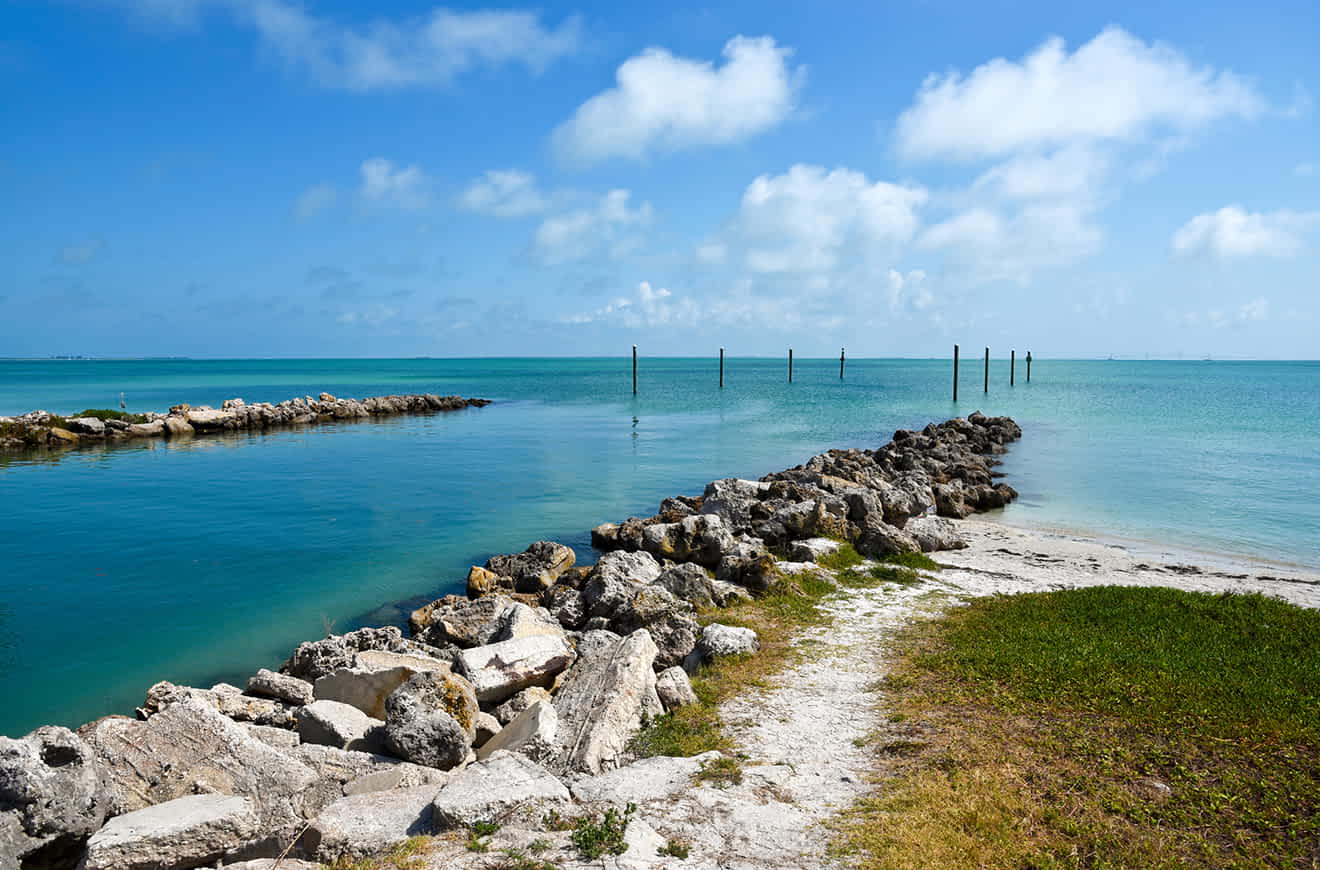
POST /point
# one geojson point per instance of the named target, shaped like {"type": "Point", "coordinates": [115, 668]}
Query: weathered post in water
{"type": "Point", "coordinates": [721, 368]}
{"type": "Point", "coordinates": [634, 369]}
{"type": "Point", "coordinates": [790, 365]}
{"type": "Point", "coordinates": [1012, 367]}
{"type": "Point", "coordinates": [1028, 366]}
{"type": "Point", "coordinates": [955, 372]}
{"type": "Point", "coordinates": [841, 355]}
{"type": "Point", "coordinates": [987, 370]}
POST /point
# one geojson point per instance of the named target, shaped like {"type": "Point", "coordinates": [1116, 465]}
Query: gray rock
{"type": "Point", "coordinates": [186, 832]}
{"type": "Point", "coordinates": [331, 723]}
{"type": "Point", "coordinates": [493, 788]}
{"type": "Point", "coordinates": [51, 794]}
{"type": "Point", "coordinates": [878, 538]}
{"type": "Point", "coordinates": [522, 621]}
{"type": "Point", "coordinates": [727, 594]}
{"type": "Point", "coordinates": [431, 720]}
{"type": "Point", "coordinates": [934, 533]}
{"type": "Point", "coordinates": [509, 710]}
{"type": "Point", "coordinates": [177, 427]}
{"type": "Point", "coordinates": [367, 824]}
{"type": "Point", "coordinates": [315, 659]}
{"type": "Point", "coordinates": [669, 620]}
{"type": "Point", "coordinates": [532, 733]}
{"type": "Point", "coordinates": [718, 641]}
{"type": "Point", "coordinates": [374, 675]}
{"type": "Point", "coordinates": [487, 727]}
{"type": "Point", "coordinates": [703, 539]}
{"type": "Point", "coordinates": [460, 621]}
{"type": "Point", "coordinates": [602, 703]}
{"type": "Point", "coordinates": [278, 738]}
{"type": "Point", "coordinates": [621, 565]}
{"type": "Point", "coordinates": [648, 779]}
{"type": "Point", "coordinates": [734, 500]}
{"type": "Point", "coordinates": [270, 864]}
{"type": "Point", "coordinates": [689, 583]}
{"type": "Point", "coordinates": [674, 688]}
{"type": "Point", "coordinates": [340, 772]}
{"type": "Point", "coordinates": [535, 569]}
{"type": "Point", "coordinates": [812, 549]}
{"type": "Point", "coordinates": [228, 701]}
{"type": "Point", "coordinates": [281, 687]}
{"type": "Point", "coordinates": [500, 670]}
{"type": "Point", "coordinates": [87, 425]}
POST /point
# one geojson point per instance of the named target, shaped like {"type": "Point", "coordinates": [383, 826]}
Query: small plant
{"type": "Point", "coordinates": [539, 845]}
{"type": "Point", "coordinates": [408, 855]}
{"type": "Point", "coordinates": [104, 414]}
{"type": "Point", "coordinates": [515, 859]}
{"type": "Point", "coordinates": [484, 829]}
{"type": "Point", "coordinates": [841, 559]}
{"type": "Point", "coordinates": [915, 561]}
{"type": "Point", "coordinates": [675, 849]}
{"type": "Point", "coordinates": [555, 821]}
{"type": "Point", "coordinates": [478, 830]}
{"type": "Point", "coordinates": [721, 772]}
{"type": "Point", "coordinates": [604, 837]}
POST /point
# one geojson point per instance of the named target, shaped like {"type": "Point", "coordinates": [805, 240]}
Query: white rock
{"type": "Point", "coordinates": [491, 788]}
{"type": "Point", "coordinates": [532, 733]}
{"type": "Point", "coordinates": [487, 726]}
{"type": "Point", "coordinates": [726, 640]}
{"type": "Point", "coordinates": [523, 621]}
{"type": "Point", "coordinates": [185, 832]}
{"type": "Point", "coordinates": [674, 688]}
{"type": "Point", "coordinates": [500, 670]}
{"type": "Point", "coordinates": [366, 824]}
{"type": "Point", "coordinates": [510, 709]}
{"type": "Point", "coordinates": [812, 549]}
{"type": "Point", "coordinates": [603, 703]}
{"type": "Point", "coordinates": [331, 723]}
{"type": "Point", "coordinates": [281, 687]}
{"type": "Point", "coordinates": [649, 779]}
{"type": "Point", "coordinates": [374, 675]}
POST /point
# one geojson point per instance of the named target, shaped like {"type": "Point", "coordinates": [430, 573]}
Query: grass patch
{"type": "Point", "coordinates": [408, 855]}
{"type": "Point", "coordinates": [1105, 727]}
{"type": "Point", "coordinates": [721, 772]}
{"type": "Point", "coordinates": [915, 561]}
{"type": "Point", "coordinates": [841, 559]}
{"type": "Point", "coordinates": [675, 849]}
{"type": "Point", "coordinates": [595, 838]}
{"type": "Point", "coordinates": [790, 604]}
{"type": "Point", "coordinates": [104, 414]}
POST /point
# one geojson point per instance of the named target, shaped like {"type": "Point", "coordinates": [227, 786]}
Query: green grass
{"type": "Point", "coordinates": [721, 772]}
{"type": "Point", "coordinates": [900, 568]}
{"type": "Point", "coordinates": [1058, 718]}
{"type": "Point", "coordinates": [842, 559]}
{"type": "Point", "coordinates": [408, 855]}
{"type": "Point", "coordinates": [108, 414]}
{"type": "Point", "coordinates": [596, 837]}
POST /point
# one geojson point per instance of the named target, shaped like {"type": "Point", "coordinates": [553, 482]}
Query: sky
{"type": "Point", "coordinates": [274, 178]}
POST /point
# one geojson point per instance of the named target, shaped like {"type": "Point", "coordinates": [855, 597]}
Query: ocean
{"type": "Point", "coordinates": [203, 561]}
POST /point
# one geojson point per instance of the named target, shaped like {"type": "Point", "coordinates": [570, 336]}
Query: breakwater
{"type": "Point", "coordinates": [535, 681]}
{"type": "Point", "coordinates": [42, 429]}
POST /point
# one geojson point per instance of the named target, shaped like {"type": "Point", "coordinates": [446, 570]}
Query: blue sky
{"type": "Point", "coordinates": [274, 178]}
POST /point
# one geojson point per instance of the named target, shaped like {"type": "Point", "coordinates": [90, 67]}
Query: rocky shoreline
{"type": "Point", "coordinates": [514, 703]}
{"type": "Point", "coordinates": [44, 430]}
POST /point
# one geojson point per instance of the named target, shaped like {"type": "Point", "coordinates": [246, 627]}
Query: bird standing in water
{"type": "Point", "coordinates": [122, 406]}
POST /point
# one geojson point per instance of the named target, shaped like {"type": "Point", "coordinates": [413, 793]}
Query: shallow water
{"type": "Point", "coordinates": [204, 560]}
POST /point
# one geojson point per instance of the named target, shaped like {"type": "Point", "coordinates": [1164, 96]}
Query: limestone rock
{"type": "Point", "coordinates": [520, 621]}
{"type": "Point", "coordinates": [934, 533]}
{"type": "Point", "coordinates": [374, 675]}
{"type": "Point", "coordinates": [531, 733]}
{"type": "Point", "coordinates": [177, 427]}
{"type": "Point", "coordinates": [602, 703]}
{"type": "Point", "coordinates": [331, 723]}
{"type": "Point", "coordinates": [494, 787]}
{"type": "Point", "coordinates": [648, 779]}
{"type": "Point", "coordinates": [51, 794]}
{"type": "Point", "coordinates": [186, 832]}
{"type": "Point", "coordinates": [340, 772]}
{"type": "Point", "coordinates": [460, 621]}
{"type": "Point", "coordinates": [687, 582]}
{"type": "Point", "coordinates": [315, 659]}
{"type": "Point", "coordinates": [734, 501]}
{"type": "Point", "coordinates": [234, 704]}
{"type": "Point", "coordinates": [498, 671]}
{"type": "Point", "coordinates": [878, 538]}
{"type": "Point", "coordinates": [727, 594]}
{"type": "Point", "coordinates": [702, 539]}
{"type": "Point", "coordinates": [507, 711]}
{"type": "Point", "coordinates": [487, 727]}
{"type": "Point", "coordinates": [812, 549]}
{"type": "Point", "coordinates": [718, 641]}
{"type": "Point", "coordinates": [674, 688]}
{"type": "Point", "coordinates": [536, 568]}
{"type": "Point", "coordinates": [87, 425]}
{"type": "Point", "coordinates": [668, 620]}
{"type": "Point", "coordinates": [431, 720]}
{"type": "Point", "coordinates": [367, 824]}
{"type": "Point", "coordinates": [281, 687]}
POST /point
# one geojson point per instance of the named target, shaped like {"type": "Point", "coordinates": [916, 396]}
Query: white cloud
{"type": "Point", "coordinates": [810, 220]}
{"type": "Point", "coordinates": [1113, 88]}
{"type": "Point", "coordinates": [1255, 311]}
{"type": "Point", "coordinates": [505, 193]}
{"type": "Point", "coordinates": [610, 225]}
{"type": "Point", "coordinates": [315, 200]}
{"type": "Point", "coordinates": [666, 103]}
{"type": "Point", "coordinates": [647, 307]}
{"type": "Point", "coordinates": [1304, 169]}
{"type": "Point", "coordinates": [651, 307]}
{"type": "Point", "coordinates": [81, 252]}
{"type": "Point", "coordinates": [373, 316]}
{"type": "Point", "coordinates": [426, 50]}
{"type": "Point", "coordinates": [397, 187]}
{"type": "Point", "coordinates": [1073, 171]}
{"type": "Point", "coordinates": [989, 246]}
{"type": "Point", "coordinates": [910, 290]}
{"type": "Point", "coordinates": [1232, 232]}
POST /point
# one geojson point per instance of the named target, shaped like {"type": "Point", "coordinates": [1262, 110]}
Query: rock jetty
{"type": "Point", "coordinates": [514, 703]}
{"type": "Point", "coordinates": [42, 429]}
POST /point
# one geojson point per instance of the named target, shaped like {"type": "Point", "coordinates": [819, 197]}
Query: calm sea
{"type": "Point", "coordinates": [202, 561]}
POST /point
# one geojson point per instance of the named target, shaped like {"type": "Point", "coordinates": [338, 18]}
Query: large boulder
{"type": "Point", "coordinates": [374, 675]}
{"type": "Point", "coordinates": [604, 702]}
{"type": "Point", "coordinates": [675, 689]}
{"type": "Point", "coordinates": [315, 659]}
{"type": "Point", "coordinates": [186, 832]}
{"type": "Point", "coordinates": [532, 733]}
{"type": "Point", "coordinates": [460, 621]}
{"type": "Point", "coordinates": [341, 772]}
{"type": "Point", "coordinates": [535, 569]}
{"type": "Point", "coordinates": [231, 703]}
{"type": "Point", "coordinates": [734, 501]}
{"type": "Point", "coordinates": [647, 779]}
{"type": "Point", "coordinates": [520, 621]}
{"type": "Point", "coordinates": [614, 579]}
{"type": "Point", "coordinates": [365, 825]}
{"type": "Point", "coordinates": [51, 796]}
{"type": "Point", "coordinates": [510, 709]}
{"type": "Point", "coordinates": [493, 789]}
{"type": "Point", "coordinates": [500, 670]}
{"type": "Point", "coordinates": [330, 723]}
{"type": "Point", "coordinates": [702, 539]}
{"type": "Point", "coordinates": [432, 720]}
{"type": "Point", "coordinates": [934, 533]}
{"type": "Point", "coordinates": [878, 538]}
{"type": "Point", "coordinates": [720, 641]}
{"type": "Point", "coordinates": [669, 621]}
{"type": "Point", "coordinates": [280, 687]}
{"type": "Point", "coordinates": [689, 583]}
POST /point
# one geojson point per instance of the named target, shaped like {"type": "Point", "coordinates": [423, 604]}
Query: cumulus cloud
{"type": "Point", "coordinates": [649, 307]}
{"type": "Point", "coordinates": [812, 220]}
{"type": "Point", "coordinates": [989, 245]}
{"type": "Point", "coordinates": [1115, 88]}
{"type": "Point", "coordinates": [426, 50]}
{"type": "Point", "coordinates": [505, 193]}
{"type": "Point", "coordinates": [665, 103]}
{"type": "Point", "coordinates": [609, 226]}
{"type": "Point", "coordinates": [81, 252]}
{"type": "Point", "coordinates": [385, 184]}
{"type": "Point", "coordinates": [1232, 232]}
{"type": "Point", "coordinates": [315, 200]}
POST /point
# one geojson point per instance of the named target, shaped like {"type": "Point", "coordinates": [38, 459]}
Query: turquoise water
{"type": "Point", "coordinates": [202, 561]}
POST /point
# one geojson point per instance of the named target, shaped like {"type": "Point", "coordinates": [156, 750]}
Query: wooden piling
{"type": "Point", "coordinates": [790, 365]}
{"type": "Point", "coordinates": [987, 370]}
{"type": "Point", "coordinates": [1012, 367]}
{"type": "Point", "coordinates": [955, 372]}
{"type": "Point", "coordinates": [1028, 366]}
{"type": "Point", "coordinates": [721, 368]}
{"type": "Point", "coordinates": [841, 356]}
{"type": "Point", "coordinates": [634, 369]}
